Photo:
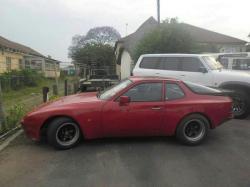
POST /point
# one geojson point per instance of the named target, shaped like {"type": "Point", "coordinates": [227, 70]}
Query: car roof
{"type": "Point", "coordinates": [174, 55]}
{"type": "Point", "coordinates": [152, 78]}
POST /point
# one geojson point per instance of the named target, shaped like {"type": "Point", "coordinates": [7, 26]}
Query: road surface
{"type": "Point", "coordinates": [223, 160]}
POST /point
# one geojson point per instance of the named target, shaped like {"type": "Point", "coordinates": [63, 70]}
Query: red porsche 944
{"type": "Point", "coordinates": [137, 106]}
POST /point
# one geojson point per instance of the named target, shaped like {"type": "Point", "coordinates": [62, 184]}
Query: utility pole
{"type": "Point", "coordinates": [158, 11]}
{"type": "Point", "coordinates": [126, 29]}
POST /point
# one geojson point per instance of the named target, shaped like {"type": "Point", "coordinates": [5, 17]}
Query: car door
{"type": "Point", "coordinates": [142, 116]}
{"type": "Point", "coordinates": [193, 70]}
{"type": "Point", "coordinates": [175, 106]}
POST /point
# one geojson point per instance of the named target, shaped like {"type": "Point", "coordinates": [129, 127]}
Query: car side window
{"type": "Point", "coordinates": [173, 91]}
{"type": "Point", "coordinates": [170, 63]}
{"type": "Point", "coordinates": [191, 64]}
{"type": "Point", "coordinates": [150, 63]}
{"type": "Point", "coordinates": [147, 92]}
{"type": "Point", "coordinates": [241, 64]}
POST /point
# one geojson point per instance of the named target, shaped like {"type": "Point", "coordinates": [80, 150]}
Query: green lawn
{"type": "Point", "coordinates": [18, 102]}
{"type": "Point", "coordinates": [29, 96]}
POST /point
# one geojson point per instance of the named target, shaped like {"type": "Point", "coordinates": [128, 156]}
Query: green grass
{"type": "Point", "coordinates": [13, 97]}
{"type": "Point", "coordinates": [18, 102]}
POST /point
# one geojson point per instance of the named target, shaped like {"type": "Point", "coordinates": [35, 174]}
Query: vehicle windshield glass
{"type": "Point", "coordinates": [201, 89]}
{"type": "Point", "coordinates": [110, 92]}
{"type": "Point", "coordinates": [212, 63]}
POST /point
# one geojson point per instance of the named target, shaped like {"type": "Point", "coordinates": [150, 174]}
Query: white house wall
{"type": "Point", "coordinates": [232, 48]}
{"type": "Point", "coordinates": [126, 62]}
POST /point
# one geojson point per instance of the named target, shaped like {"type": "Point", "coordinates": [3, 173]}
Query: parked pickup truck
{"type": "Point", "coordinates": [97, 81]}
{"type": "Point", "coordinates": [201, 69]}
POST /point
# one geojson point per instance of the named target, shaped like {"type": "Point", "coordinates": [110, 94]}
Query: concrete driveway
{"type": "Point", "coordinates": [222, 160]}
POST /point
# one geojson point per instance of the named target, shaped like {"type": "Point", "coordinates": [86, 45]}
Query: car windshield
{"type": "Point", "coordinates": [201, 89]}
{"type": "Point", "coordinates": [110, 92]}
{"type": "Point", "coordinates": [212, 63]}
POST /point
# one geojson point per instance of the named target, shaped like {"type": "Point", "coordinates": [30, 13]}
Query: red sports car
{"type": "Point", "coordinates": [137, 106]}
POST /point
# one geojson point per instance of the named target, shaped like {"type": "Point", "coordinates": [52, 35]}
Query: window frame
{"type": "Point", "coordinates": [143, 82]}
{"type": "Point", "coordinates": [165, 91]}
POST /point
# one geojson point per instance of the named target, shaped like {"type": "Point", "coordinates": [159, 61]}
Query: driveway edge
{"type": "Point", "coordinates": [10, 139]}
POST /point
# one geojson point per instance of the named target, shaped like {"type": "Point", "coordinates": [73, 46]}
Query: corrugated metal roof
{"type": "Point", "coordinates": [5, 43]}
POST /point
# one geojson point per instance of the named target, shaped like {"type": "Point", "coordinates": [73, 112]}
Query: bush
{"type": "Point", "coordinates": [15, 113]}
{"type": "Point", "coordinates": [16, 80]}
{"type": "Point", "coordinates": [169, 37]}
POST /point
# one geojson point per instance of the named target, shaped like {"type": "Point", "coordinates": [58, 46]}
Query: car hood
{"type": "Point", "coordinates": [69, 100]}
{"type": "Point", "coordinates": [232, 75]}
{"type": "Point", "coordinates": [77, 98]}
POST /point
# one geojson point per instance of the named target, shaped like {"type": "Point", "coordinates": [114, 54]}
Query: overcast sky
{"type": "Point", "coordinates": [48, 25]}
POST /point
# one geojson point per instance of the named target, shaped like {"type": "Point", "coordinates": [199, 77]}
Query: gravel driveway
{"type": "Point", "coordinates": [222, 160]}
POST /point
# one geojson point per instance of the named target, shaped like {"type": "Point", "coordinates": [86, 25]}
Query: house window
{"type": "Point", "coordinates": [27, 64]}
{"type": "Point", "coordinates": [36, 64]}
{"type": "Point", "coordinates": [8, 63]}
{"type": "Point", "coordinates": [47, 66]}
{"type": "Point", "coordinates": [20, 63]}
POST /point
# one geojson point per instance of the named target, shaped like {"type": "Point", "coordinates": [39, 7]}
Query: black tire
{"type": "Point", "coordinates": [63, 133]}
{"type": "Point", "coordinates": [241, 104]}
{"type": "Point", "coordinates": [184, 133]}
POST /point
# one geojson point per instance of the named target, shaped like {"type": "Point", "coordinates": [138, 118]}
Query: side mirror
{"type": "Point", "coordinates": [124, 100]}
{"type": "Point", "coordinates": [203, 69]}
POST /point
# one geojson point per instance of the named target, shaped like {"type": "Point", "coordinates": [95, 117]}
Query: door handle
{"type": "Point", "coordinates": [183, 75]}
{"type": "Point", "coordinates": [156, 108]}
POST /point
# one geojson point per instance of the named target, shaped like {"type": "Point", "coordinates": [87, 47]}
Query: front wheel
{"type": "Point", "coordinates": [193, 129]}
{"type": "Point", "coordinates": [63, 133]}
{"type": "Point", "coordinates": [241, 104]}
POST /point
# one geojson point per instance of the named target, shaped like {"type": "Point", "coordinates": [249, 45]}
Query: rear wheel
{"type": "Point", "coordinates": [63, 133]}
{"type": "Point", "coordinates": [241, 104]}
{"type": "Point", "coordinates": [193, 129]}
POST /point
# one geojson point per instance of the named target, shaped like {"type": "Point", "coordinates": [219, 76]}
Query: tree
{"type": "Point", "coordinates": [95, 54]}
{"type": "Point", "coordinates": [99, 35]}
{"type": "Point", "coordinates": [78, 41]}
{"type": "Point", "coordinates": [95, 49]}
{"type": "Point", "coordinates": [103, 35]}
{"type": "Point", "coordinates": [168, 37]}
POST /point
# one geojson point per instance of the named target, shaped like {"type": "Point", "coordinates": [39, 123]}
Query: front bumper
{"type": "Point", "coordinates": [31, 130]}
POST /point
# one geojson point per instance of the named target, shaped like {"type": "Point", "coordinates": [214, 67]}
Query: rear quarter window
{"type": "Point", "coordinates": [173, 91]}
{"type": "Point", "coordinates": [200, 89]}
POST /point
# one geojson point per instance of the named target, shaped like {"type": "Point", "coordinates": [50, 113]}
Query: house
{"type": "Point", "coordinates": [68, 69]}
{"type": "Point", "coordinates": [15, 56]}
{"type": "Point", "coordinates": [49, 67]}
{"type": "Point", "coordinates": [125, 46]}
